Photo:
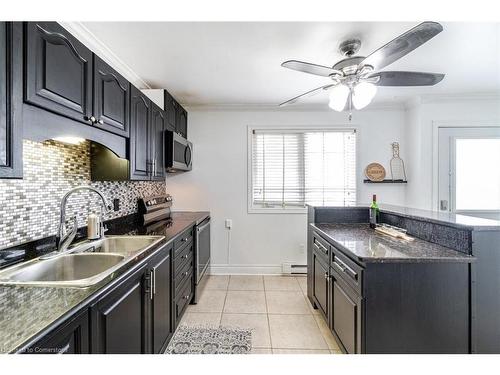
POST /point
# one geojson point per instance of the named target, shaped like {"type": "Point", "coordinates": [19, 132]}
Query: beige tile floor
{"type": "Point", "coordinates": [275, 308]}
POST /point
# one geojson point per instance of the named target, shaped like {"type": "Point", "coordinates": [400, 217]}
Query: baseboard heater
{"type": "Point", "coordinates": [294, 269]}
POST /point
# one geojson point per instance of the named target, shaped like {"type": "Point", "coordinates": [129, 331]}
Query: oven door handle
{"type": "Point", "coordinates": [199, 229]}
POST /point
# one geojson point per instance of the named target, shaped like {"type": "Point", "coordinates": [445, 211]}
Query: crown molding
{"type": "Point", "coordinates": [84, 35]}
{"type": "Point", "coordinates": [436, 98]}
{"type": "Point", "coordinates": [317, 107]}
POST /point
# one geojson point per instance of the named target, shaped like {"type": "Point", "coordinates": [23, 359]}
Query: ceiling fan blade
{"type": "Point", "coordinates": [402, 45]}
{"type": "Point", "coordinates": [305, 67]}
{"type": "Point", "coordinates": [406, 78]}
{"type": "Point", "coordinates": [307, 95]}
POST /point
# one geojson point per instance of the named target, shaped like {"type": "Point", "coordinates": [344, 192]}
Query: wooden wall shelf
{"type": "Point", "coordinates": [386, 182]}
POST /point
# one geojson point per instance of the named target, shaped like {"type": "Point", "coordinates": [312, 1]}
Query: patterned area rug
{"type": "Point", "coordinates": [203, 340]}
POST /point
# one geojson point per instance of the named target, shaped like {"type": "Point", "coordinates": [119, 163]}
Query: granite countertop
{"type": "Point", "coordinates": [439, 217]}
{"type": "Point", "coordinates": [28, 311]}
{"type": "Point", "coordinates": [364, 244]}
{"type": "Point", "coordinates": [461, 221]}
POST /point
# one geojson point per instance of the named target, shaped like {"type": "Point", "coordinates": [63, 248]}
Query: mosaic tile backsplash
{"type": "Point", "coordinates": [29, 208]}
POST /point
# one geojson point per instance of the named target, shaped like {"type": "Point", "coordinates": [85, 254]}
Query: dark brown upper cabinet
{"type": "Point", "coordinates": [157, 150]}
{"type": "Point", "coordinates": [176, 115]}
{"type": "Point", "coordinates": [58, 71]}
{"type": "Point", "coordinates": [181, 121]}
{"type": "Point", "coordinates": [11, 163]}
{"type": "Point", "coordinates": [111, 99]}
{"type": "Point", "coordinates": [170, 110]}
{"type": "Point", "coordinates": [140, 127]}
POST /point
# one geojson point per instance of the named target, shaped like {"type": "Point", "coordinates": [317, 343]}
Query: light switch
{"type": "Point", "coordinates": [229, 223]}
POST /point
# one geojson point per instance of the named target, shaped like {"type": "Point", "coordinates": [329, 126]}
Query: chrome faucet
{"type": "Point", "coordinates": [64, 240]}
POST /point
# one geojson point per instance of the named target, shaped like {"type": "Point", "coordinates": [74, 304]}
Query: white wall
{"type": "Point", "coordinates": [421, 119]}
{"type": "Point", "coordinates": [259, 243]}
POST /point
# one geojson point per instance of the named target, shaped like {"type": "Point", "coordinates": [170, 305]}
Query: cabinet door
{"type": "Point", "coordinates": [111, 99]}
{"type": "Point", "coordinates": [71, 338]}
{"type": "Point", "coordinates": [346, 315]}
{"type": "Point", "coordinates": [161, 308]}
{"type": "Point", "coordinates": [158, 125]}
{"type": "Point", "coordinates": [140, 126]}
{"type": "Point", "coordinates": [119, 319]}
{"type": "Point", "coordinates": [320, 280]}
{"type": "Point", "coordinates": [11, 164]}
{"type": "Point", "coordinates": [181, 121]}
{"type": "Point", "coordinates": [58, 71]}
{"type": "Point", "coordinates": [170, 110]}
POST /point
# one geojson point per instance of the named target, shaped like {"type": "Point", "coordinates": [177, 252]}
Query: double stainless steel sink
{"type": "Point", "coordinates": [82, 265]}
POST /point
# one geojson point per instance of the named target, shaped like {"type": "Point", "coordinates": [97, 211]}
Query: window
{"type": "Point", "coordinates": [291, 168]}
{"type": "Point", "coordinates": [477, 174]}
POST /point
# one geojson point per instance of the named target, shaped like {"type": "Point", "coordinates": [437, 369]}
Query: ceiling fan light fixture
{"type": "Point", "coordinates": [338, 97]}
{"type": "Point", "coordinates": [363, 94]}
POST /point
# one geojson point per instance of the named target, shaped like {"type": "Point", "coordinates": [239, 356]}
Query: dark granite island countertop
{"type": "Point", "coordinates": [28, 312]}
{"type": "Point", "coordinates": [365, 245]}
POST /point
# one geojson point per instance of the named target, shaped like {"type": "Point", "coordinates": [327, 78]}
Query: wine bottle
{"type": "Point", "coordinates": [373, 212]}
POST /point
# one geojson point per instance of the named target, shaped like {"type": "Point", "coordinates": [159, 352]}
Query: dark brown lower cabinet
{"type": "Point", "coordinates": [119, 319]}
{"type": "Point", "coordinates": [346, 312]}
{"type": "Point", "coordinates": [137, 315]}
{"type": "Point", "coordinates": [161, 300]}
{"type": "Point", "coordinates": [71, 338]}
{"type": "Point", "coordinates": [320, 287]}
{"type": "Point", "coordinates": [391, 307]}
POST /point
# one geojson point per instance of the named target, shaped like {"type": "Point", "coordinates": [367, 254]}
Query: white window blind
{"type": "Point", "coordinates": [291, 168]}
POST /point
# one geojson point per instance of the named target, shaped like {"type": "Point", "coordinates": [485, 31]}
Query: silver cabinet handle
{"type": "Point", "coordinates": [186, 297]}
{"type": "Point", "coordinates": [184, 239]}
{"type": "Point", "coordinates": [151, 284]}
{"type": "Point", "coordinates": [92, 119]}
{"type": "Point", "coordinates": [101, 121]}
{"type": "Point", "coordinates": [326, 276]}
{"type": "Point", "coordinates": [154, 281]}
{"type": "Point", "coordinates": [185, 256]}
{"type": "Point", "coordinates": [186, 273]}
{"type": "Point", "coordinates": [320, 247]}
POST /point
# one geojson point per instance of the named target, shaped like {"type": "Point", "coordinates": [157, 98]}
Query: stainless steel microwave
{"type": "Point", "coordinates": [179, 153]}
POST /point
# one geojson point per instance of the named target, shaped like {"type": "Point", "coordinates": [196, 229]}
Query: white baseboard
{"type": "Point", "coordinates": [245, 269]}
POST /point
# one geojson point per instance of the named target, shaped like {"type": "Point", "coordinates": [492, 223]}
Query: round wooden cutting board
{"type": "Point", "coordinates": [375, 172]}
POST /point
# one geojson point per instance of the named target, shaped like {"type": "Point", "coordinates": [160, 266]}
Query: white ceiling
{"type": "Point", "coordinates": [214, 63]}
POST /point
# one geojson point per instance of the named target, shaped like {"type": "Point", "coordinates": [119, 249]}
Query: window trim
{"type": "Point", "coordinates": [251, 209]}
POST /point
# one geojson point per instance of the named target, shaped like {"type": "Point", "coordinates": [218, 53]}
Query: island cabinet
{"type": "Point", "coordinates": [390, 307]}
{"type": "Point", "coordinates": [11, 163]}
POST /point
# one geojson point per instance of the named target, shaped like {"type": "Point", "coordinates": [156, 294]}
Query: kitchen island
{"type": "Point", "coordinates": [380, 294]}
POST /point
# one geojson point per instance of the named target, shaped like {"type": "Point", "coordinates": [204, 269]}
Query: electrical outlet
{"type": "Point", "coordinates": [116, 204]}
{"type": "Point", "coordinates": [302, 248]}
{"type": "Point", "coordinates": [229, 223]}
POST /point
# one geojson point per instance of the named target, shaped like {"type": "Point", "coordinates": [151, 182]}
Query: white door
{"type": "Point", "coordinates": [469, 171]}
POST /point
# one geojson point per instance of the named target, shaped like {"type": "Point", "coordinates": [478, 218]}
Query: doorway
{"type": "Point", "coordinates": [469, 171]}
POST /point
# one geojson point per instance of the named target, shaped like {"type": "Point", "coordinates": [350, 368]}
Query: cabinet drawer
{"type": "Point", "coordinates": [182, 300]}
{"type": "Point", "coordinates": [182, 275]}
{"type": "Point", "coordinates": [350, 272]}
{"type": "Point", "coordinates": [182, 240]}
{"type": "Point", "coordinates": [183, 256]}
{"type": "Point", "coordinates": [321, 246]}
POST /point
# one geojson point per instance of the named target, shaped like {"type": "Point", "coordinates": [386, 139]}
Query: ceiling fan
{"type": "Point", "coordinates": [355, 78]}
